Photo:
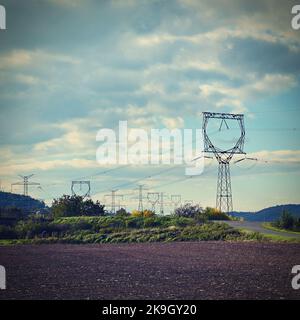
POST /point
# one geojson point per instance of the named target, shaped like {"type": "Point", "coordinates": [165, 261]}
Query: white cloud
{"type": "Point", "coordinates": [238, 97]}
{"type": "Point", "coordinates": [24, 58]}
{"type": "Point", "coordinates": [34, 164]}
{"type": "Point", "coordinates": [77, 138]}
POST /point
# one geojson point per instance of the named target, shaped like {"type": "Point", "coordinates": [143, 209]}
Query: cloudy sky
{"type": "Point", "coordinates": [71, 67]}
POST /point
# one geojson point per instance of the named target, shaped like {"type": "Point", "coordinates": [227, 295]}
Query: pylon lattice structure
{"type": "Point", "coordinates": [114, 196]}
{"type": "Point", "coordinates": [161, 202]}
{"type": "Point", "coordinates": [224, 193]}
{"type": "Point", "coordinates": [81, 183]}
{"type": "Point", "coordinates": [153, 198]}
{"type": "Point", "coordinates": [141, 187]}
{"type": "Point", "coordinates": [25, 183]}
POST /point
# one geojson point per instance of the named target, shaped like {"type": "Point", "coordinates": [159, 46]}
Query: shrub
{"type": "Point", "coordinates": [122, 213]}
{"type": "Point", "coordinates": [136, 213]}
{"type": "Point", "coordinates": [188, 211]}
{"type": "Point", "coordinates": [148, 213]}
{"type": "Point", "coordinates": [215, 214]}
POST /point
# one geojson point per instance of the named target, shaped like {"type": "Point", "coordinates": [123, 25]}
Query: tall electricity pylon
{"type": "Point", "coordinates": [224, 193]}
{"type": "Point", "coordinates": [25, 183]}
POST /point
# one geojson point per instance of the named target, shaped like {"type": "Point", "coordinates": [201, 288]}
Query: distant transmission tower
{"type": "Point", "coordinates": [161, 202]}
{"type": "Point", "coordinates": [25, 183]}
{"type": "Point", "coordinates": [81, 183]}
{"type": "Point", "coordinates": [153, 198]}
{"type": "Point", "coordinates": [140, 206]}
{"type": "Point", "coordinates": [113, 199]}
{"type": "Point", "coordinates": [224, 194]}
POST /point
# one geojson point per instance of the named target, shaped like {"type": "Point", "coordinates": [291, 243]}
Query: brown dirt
{"type": "Point", "coordinates": [181, 270]}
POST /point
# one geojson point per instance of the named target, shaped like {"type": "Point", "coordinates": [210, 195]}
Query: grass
{"type": "Point", "coordinates": [205, 232]}
{"type": "Point", "coordinates": [10, 242]}
{"type": "Point", "coordinates": [269, 226]}
{"type": "Point", "coordinates": [277, 238]}
{"type": "Point", "coordinates": [272, 237]}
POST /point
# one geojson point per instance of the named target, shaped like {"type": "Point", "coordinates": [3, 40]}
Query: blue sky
{"type": "Point", "coordinates": [69, 68]}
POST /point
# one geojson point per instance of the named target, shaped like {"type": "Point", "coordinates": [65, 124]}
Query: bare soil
{"type": "Point", "coordinates": [178, 270]}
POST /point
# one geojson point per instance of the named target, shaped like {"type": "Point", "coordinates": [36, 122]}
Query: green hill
{"type": "Point", "coordinates": [25, 203]}
{"type": "Point", "coordinates": [269, 214]}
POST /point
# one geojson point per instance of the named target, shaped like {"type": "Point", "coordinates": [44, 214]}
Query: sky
{"type": "Point", "coordinates": [71, 67]}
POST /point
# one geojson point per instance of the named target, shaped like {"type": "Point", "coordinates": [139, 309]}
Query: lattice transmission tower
{"type": "Point", "coordinates": [153, 198]}
{"type": "Point", "coordinates": [224, 192]}
{"type": "Point", "coordinates": [25, 183]}
{"type": "Point", "coordinates": [162, 203]}
{"type": "Point", "coordinates": [114, 197]}
{"type": "Point", "coordinates": [141, 188]}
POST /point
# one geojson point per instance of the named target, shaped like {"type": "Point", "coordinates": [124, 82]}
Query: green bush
{"type": "Point", "coordinates": [287, 221]}
{"type": "Point", "coordinates": [215, 214]}
{"type": "Point", "coordinates": [122, 213]}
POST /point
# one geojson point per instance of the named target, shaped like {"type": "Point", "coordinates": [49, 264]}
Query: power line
{"type": "Point", "coordinates": [98, 173]}
{"type": "Point", "coordinates": [137, 180]}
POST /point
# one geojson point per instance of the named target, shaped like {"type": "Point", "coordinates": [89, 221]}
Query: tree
{"type": "Point", "coordinates": [188, 211]}
{"type": "Point", "coordinates": [286, 220]}
{"type": "Point", "coordinates": [91, 208]}
{"type": "Point", "coordinates": [68, 206]}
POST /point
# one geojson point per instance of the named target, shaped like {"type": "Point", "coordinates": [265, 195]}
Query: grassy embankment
{"type": "Point", "coordinates": [273, 237]}
{"type": "Point", "coordinates": [269, 226]}
{"type": "Point", "coordinates": [110, 229]}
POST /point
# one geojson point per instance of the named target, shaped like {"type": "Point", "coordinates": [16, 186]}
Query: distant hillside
{"type": "Point", "coordinates": [269, 214]}
{"type": "Point", "coordinates": [25, 203]}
